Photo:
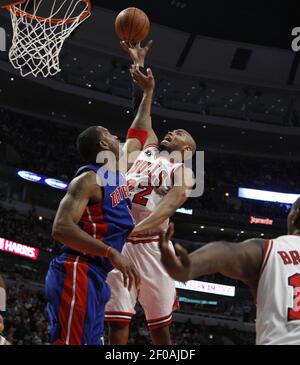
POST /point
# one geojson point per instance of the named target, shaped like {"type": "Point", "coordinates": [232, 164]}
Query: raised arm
{"type": "Point", "coordinates": [138, 134]}
{"type": "Point", "coordinates": [143, 89]}
{"type": "Point", "coordinates": [174, 199]}
{"type": "Point", "coordinates": [241, 261]}
{"type": "Point", "coordinates": [66, 230]}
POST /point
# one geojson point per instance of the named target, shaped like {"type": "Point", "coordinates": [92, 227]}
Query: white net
{"type": "Point", "coordinates": [40, 28]}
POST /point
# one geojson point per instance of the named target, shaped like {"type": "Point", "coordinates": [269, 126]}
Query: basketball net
{"type": "Point", "coordinates": [37, 41]}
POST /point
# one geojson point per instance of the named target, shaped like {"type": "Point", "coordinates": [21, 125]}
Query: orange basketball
{"type": "Point", "coordinates": [132, 25]}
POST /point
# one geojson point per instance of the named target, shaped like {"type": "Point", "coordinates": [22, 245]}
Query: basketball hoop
{"type": "Point", "coordinates": [40, 30]}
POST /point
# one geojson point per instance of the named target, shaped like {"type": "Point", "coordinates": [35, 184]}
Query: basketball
{"type": "Point", "coordinates": [132, 25]}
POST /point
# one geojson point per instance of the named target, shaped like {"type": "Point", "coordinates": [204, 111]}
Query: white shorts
{"type": "Point", "coordinates": [157, 294]}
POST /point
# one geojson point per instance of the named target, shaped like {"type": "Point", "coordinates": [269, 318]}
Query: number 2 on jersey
{"type": "Point", "coordinates": [139, 198]}
{"type": "Point", "coordinates": [294, 313]}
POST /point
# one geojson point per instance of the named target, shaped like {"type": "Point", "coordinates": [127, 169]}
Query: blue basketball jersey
{"type": "Point", "coordinates": [110, 220]}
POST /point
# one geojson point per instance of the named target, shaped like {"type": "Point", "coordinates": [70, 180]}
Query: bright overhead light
{"type": "Point", "coordinates": [265, 195]}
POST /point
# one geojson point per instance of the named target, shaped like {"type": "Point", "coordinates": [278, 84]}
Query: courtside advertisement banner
{"type": "Point", "coordinates": [205, 287]}
{"type": "Point", "coordinates": [18, 249]}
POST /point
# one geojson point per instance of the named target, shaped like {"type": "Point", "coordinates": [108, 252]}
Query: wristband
{"type": "Point", "coordinates": [139, 134]}
{"type": "Point", "coordinates": [107, 251]}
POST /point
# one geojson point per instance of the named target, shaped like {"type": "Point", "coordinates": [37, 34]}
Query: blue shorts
{"type": "Point", "coordinates": [76, 294]}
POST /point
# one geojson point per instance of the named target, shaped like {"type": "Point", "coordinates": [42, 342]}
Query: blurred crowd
{"type": "Point", "coordinates": [39, 146]}
{"type": "Point", "coordinates": [26, 320]}
{"type": "Point", "coordinates": [183, 92]}
{"type": "Point", "coordinates": [27, 229]}
{"type": "Point", "coordinates": [49, 148]}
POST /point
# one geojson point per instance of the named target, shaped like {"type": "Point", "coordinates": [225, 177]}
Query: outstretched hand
{"type": "Point", "coordinates": [179, 266]}
{"type": "Point", "coordinates": [136, 52]}
{"type": "Point", "coordinates": [146, 82]}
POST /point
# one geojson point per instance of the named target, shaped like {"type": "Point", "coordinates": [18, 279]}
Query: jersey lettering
{"type": "Point", "coordinates": [294, 313]}
{"type": "Point", "coordinates": [285, 257]}
{"type": "Point", "coordinates": [119, 194]}
{"type": "Point", "coordinates": [290, 257]}
{"type": "Point", "coordinates": [295, 257]}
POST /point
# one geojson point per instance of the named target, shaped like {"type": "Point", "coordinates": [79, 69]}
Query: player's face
{"type": "Point", "coordinates": [111, 140]}
{"type": "Point", "coordinates": [176, 140]}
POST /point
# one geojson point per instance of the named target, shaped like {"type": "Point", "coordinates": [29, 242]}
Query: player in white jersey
{"type": "Point", "coordinates": [271, 269]}
{"type": "Point", "coordinates": [158, 186]}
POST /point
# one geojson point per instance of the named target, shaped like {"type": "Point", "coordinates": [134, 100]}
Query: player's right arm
{"type": "Point", "coordinates": [138, 55]}
{"type": "Point", "coordinates": [71, 209]}
{"type": "Point", "coordinates": [65, 229]}
{"type": "Point", "coordinates": [241, 261]}
{"type": "Point", "coordinates": [140, 131]}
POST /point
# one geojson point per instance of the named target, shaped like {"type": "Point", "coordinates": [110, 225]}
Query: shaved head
{"type": "Point", "coordinates": [190, 141]}
{"type": "Point", "coordinates": [296, 204]}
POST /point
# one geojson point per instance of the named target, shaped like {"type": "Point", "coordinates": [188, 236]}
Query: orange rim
{"type": "Point", "coordinates": [19, 12]}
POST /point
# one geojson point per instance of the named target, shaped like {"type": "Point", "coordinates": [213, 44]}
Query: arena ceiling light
{"type": "Point", "coordinates": [43, 180]}
{"type": "Point", "coordinates": [267, 196]}
{"type": "Point", "coordinates": [57, 184]}
{"type": "Point", "coordinates": [30, 176]}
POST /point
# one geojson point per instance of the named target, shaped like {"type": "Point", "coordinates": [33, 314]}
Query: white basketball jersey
{"type": "Point", "coordinates": [149, 180]}
{"type": "Point", "coordinates": [278, 293]}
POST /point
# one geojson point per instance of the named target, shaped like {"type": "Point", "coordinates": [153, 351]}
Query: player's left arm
{"type": "Point", "coordinates": [174, 199]}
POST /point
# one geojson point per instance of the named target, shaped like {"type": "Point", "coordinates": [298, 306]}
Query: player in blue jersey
{"type": "Point", "coordinates": [93, 222]}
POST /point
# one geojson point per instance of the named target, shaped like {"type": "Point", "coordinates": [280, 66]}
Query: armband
{"type": "Point", "coordinates": [139, 134]}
